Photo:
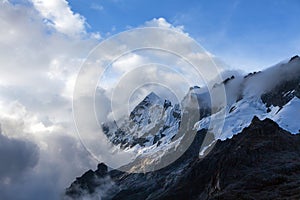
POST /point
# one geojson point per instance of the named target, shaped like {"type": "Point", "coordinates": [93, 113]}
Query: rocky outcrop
{"type": "Point", "coordinates": [283, 93]}
{"type": "Point", "coordinates": [262, 162]}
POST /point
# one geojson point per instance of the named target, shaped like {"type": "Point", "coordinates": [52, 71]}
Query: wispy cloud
{"type": "Point", "coordinates": [96, 7]}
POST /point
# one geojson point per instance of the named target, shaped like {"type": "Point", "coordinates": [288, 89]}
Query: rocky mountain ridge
{"type": "Point", "coordinates": [262, 162]}
{"type": "Point", "coordinates": [255, 156]}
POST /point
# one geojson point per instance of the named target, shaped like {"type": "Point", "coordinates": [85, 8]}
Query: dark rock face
{"type": "Point", "coordinates": [286, 90]}
{"type": "Point", "coordinates": [136, 185]}
{"type": "Point", "coordinates": [251, 74]}
{"type": "Point", "coordinates": [283, 93]}
{"type": "Point", "coordinates": [296, 57]}
{"type": "Point", "coordinates": [262, 162]}
{"type": "Point", "coordinates": [228, 79]}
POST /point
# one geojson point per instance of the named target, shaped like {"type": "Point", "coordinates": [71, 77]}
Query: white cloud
{"type": "Point", "coordinates": [37, 77]}
{"type": "Point", "coordinates": [42, 152]}
{"type": "Point", "coordinates": [96, 7]}
{"type": "Point", "coordinates": [161, 22]}
{"type": "Point", "coordinates": [128, 62]}
{"type": "Point", "coordinates": [58, 14]}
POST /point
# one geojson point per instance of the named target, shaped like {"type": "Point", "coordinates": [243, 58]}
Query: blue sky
{"type": "Point", "coordinates": [245, 34]}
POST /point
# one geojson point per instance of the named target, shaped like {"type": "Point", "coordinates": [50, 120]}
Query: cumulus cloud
{"type": "Point", "coordinates": [40, 159]}
{"type": "Point", "coordinates": [47, 43]}
{"type": "Point", "coordinates": [161, 22]}
{"type": "Point", "coordinates": [58, 14]}
{"type": "Point", "coordinates": [36, 87]}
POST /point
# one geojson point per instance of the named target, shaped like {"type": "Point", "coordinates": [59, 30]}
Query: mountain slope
{"type": "Point", "coordinates": [262, 162]}
{"type": "Point", "coordinates": [267, 94]}
{"type": "Point", "coordinates": [248, 158]}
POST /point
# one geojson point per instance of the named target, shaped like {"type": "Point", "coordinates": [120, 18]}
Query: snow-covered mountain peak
{"type": "Point", "coordinates": [271, 93]}
{"type": "Point", "coordinates": [150, 100]}
{"type": "Point", "coordinates": [146, 108]}
{"type": "Point", "coordinates": [153, 98]}
{"type": "Point", "coordinates": [148, 123]}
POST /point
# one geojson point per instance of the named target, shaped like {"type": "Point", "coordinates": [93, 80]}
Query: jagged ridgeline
{"type": "Point", "coordinates": [256, 155]}
{"type": "Point", "coordinates": [150, 121]}
{"type": "Point", "coordinates": [156, 121]}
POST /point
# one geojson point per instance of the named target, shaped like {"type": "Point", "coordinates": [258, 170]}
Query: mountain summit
{"type": "Point", "coordinates": [255, 156]}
